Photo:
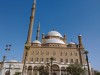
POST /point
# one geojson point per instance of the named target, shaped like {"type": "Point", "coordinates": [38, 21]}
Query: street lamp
{"type": "Point", "coordinates": [51, 59]}
{"type": "Point", "coordinates": [9, 68]}
{"type": "Point", "coordinates": [87, 61]}
{"type": "Point", "coordinates": [27, 47]}
{"type": "Point", "coordinates": [8, 48]}
{"type": "Point", "coordinates": [86, 53]}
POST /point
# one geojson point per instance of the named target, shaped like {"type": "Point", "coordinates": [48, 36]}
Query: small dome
{"type": "Point", "coordinates": [54, 40]}
{"type": "Point", "coordinates": [37, 42]}
{"type": "Point", "coordinates": [54, 33]}
{"type": "Point", "coordinates": [13, 60]}
{"type": "Point", "coordinates": [71, 43]}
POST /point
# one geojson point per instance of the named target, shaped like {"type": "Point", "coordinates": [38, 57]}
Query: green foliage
{"type": "Point", "coordinates": [17, 73]}
{"type": "Point", "coordinates": [96, 73]}
{"type": "Point", "coordinates": [43, 70]}
{"type": "Point", "coordinates": [75, 69]}
{"type": "Point", "coordinates": [52, 58]}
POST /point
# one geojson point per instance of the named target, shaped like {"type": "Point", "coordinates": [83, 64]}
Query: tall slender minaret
{"type": "Point", "coordinates": [80, 41]}
{"type": "Point", "coordinates": [31, 23]}
{"type": "Point", "coordinates": [38, 32]}
{"type": "Point", "coordinates": [80, 49]}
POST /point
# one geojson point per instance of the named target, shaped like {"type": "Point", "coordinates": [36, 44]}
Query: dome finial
{"type": "Point", "coordinates": [79, 34]}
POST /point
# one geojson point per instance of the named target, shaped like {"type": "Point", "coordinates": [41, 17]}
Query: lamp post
{"type": "Point", "coordinates": [9, 68]}
{"type": "Point", "coordinates": [51, 59]}
{"type": "Point", "coordinates": [27, 47]}
{"type": "Point", "coordinates": [47, 67]}
{"type": "Point", "coordinates": [86, 53]}
{"type": "Point", "coordinates": [8, 48]}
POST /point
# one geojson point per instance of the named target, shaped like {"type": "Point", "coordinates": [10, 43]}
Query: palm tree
{"type": "Point", "coordinates": [96, 72]}
{"type": "Point", "coordinates": [75, 69]}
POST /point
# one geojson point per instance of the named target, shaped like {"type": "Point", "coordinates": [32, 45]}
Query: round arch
{"type": "Point", "coordinates": [35, 70]}
{"type": "Point", "coordinates": [29, 70]}
{"type": "Point", "coordinates": [62, 68]}
{"type": "Point", "coordinates": [55, 69]}
{"type": "Point", "coordinates": [7, 72]}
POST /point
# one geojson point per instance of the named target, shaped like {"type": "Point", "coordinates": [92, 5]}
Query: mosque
{"type": "Point", "coordinates": [53, 50]}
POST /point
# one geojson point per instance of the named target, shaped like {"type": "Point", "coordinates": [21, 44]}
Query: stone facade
{"type": "Point", "coordinates": [36, 53]}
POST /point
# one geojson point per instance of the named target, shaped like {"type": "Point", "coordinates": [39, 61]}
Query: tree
{"type": "Point", "coordinates": [96, 72]}
{"type": "Point", "coordinates": [43, 70]}
{"type": "Point", "coordinates": [75, 69]}
{"type": "Point", "coordinates": [17, 73]}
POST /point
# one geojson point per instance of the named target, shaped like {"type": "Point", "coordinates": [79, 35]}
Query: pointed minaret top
{"type": "Point", "coordinates": [34, 4]}
{"type": "Point", "coordinates": [31, 23]}
{"type": "Point", "coordinates": [38, 32]}
{"type": "Point", "coordinates": [35, 1]}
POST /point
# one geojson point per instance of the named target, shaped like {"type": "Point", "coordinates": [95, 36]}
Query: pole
{"type": "Point", "coordinates": [9, 68]}
{"type": "Point", "coordinates": [8, 48]}
{"type": "Point", "coordinates": [80, 56]}
{"type": "Point", "coordinates": [24, 65]}
{"type": "Point", "coordinates": [51, 67]}
{"type": "Point", "coordinates": [88, 64]}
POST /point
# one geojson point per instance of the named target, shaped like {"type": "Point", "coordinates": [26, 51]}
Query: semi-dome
{"type": "Point", "coordinates": [72, 43]}
{"type": "Point", "coordinates": [13, 60]}
{"type": "Point", "coordinates": [37, 42]}
{"type": "Point", "coordinates": [54, 40]}
{"type": "Point", "coordinates": [54, 33]}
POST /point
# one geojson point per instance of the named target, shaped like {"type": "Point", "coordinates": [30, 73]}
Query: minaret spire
{"type": "Point", "coordinates": [80, 41]}
{"type": "Point", "coordinates": [31, 22]}
{"type": "Point", "coordinates": [38, 32]}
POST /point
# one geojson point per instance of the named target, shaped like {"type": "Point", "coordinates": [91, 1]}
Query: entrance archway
{"type": "Point", "coordinates": [55, 69]}
{"type": "Point", "coordinates": [62, 70]}
{"type": "Point", "coordinates": [35, 70]}
{"type": "Point", "coordinates": [7, 72]}
{"type": "Point", "coordinates": [29, 72]}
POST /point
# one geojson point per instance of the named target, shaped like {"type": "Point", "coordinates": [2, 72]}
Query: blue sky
{"type": "Point", "coordinates": [71, 17]}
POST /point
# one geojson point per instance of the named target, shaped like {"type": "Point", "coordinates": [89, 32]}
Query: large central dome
{"type": "Point", "coordinates": [54, 33]}
{"type": "Point", "coordinates": [54, 40]}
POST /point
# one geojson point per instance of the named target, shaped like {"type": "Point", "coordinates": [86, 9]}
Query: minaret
{"type": "Point", "coordinates": [80, 41]}
{"type": "Point", "coordinates": [31, 23]}
{"type": "Point", "coordinates": [80, 49]}
{"type": "Point", "coordinates": [38, 32]}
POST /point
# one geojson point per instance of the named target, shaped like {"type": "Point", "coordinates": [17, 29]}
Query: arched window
{"type": "Point", "coordinates": [7, 72]}
{"type": "Point", "coordinates": [61, 60]}
{"type": "Point", "coordinates": [29, 72]}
